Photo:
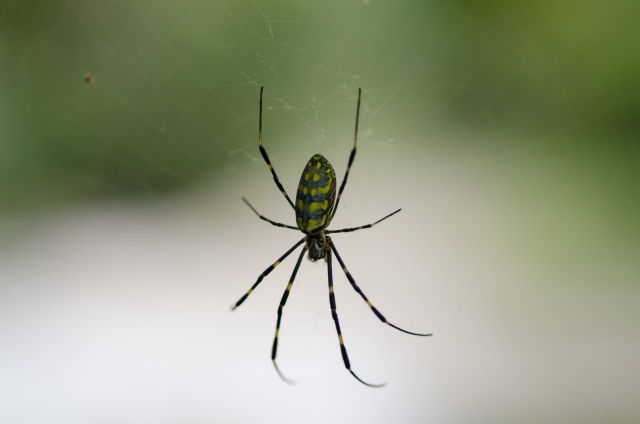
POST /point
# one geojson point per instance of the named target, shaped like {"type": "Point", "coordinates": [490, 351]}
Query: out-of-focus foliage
{"type": "Point", "coordinates": [176, 83]}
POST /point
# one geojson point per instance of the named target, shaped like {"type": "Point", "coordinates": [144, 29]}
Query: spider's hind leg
{"type": "Point", "coordinates": [283, 301]}
{"type": "Point", "coordinates": [334, 314]}
{"type": "Point", "coordinates": [361, 293]}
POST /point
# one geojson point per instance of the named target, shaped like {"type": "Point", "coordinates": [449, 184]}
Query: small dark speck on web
{"type": "Point", "coordinates": [88, 78]}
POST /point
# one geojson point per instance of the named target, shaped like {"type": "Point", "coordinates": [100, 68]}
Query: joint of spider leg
{"type": "Point", "coordinates": [327, 250]}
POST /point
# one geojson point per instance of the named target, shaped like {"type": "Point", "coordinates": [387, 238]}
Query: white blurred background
{"type": "Point", "coordinates": [506, 133]}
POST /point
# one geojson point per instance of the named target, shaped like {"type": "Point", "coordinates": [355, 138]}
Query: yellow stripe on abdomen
{"type": "Point", "coordinates": [315, 196]}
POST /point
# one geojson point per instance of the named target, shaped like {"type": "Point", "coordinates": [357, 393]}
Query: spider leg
{"type": "Point", "coordinates": [283, 301]}
{"type": "Point", "coordinates": [334, 314]}
{"type": "Point", "coordinates": [356, 288]}
{"type": "Point", "coordinates": [263, 152]}
{"type": "Point", "coordinates": [277, 224]}
{"type": "Point", "coordinates": [348, 230]}
{"type": "Point", "coordinates": [352, 156]}
{"type": "Point", "coordinates": [267, 272]}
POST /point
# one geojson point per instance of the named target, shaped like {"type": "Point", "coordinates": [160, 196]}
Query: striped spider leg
{"type": "Point", "coordinates": [316, 204]}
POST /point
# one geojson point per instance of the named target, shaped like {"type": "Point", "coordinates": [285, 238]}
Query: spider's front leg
{"type": "Point", "coordinates": [265, 156]}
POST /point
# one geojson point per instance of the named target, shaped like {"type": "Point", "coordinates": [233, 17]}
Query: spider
{"type": "Point", "coordinates": [315, 208]}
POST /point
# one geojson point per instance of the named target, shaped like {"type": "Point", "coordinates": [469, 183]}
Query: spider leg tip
{"type": "Point", "coordinates": [364, 382]}
{"type": "Point", "coordinates": [285, 379]}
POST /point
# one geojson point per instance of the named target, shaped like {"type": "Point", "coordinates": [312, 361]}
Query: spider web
{"type": "Point", "coordinates": [508, 133]}
{"type": "Point", "coordinates": [175, 85]}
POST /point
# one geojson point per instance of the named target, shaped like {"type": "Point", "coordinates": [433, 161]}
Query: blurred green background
{"type": "Point", "coordinates": [543, 96]}
{"type": "Point", "coordinates": [509, 132]}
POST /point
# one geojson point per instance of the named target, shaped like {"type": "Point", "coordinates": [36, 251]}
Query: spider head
{"type": "Point", "coordinates": [316, 244]}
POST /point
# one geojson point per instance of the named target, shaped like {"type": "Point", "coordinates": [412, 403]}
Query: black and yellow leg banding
{"type": "Point", "coordinates": [267, 272]}
{"type": "Point", "coordinates": [361, 293]}
{"type": "Point", "coordinates": [263, 152]}
{"type": "Point", "coordinates": [352, 156]}
{"type": "Point", "coordinates": [349, 230]}
{"type": "Point", "coordinates": [316, 203]}
{"type": "Point", "coordinates": [277, 224]}
{"type": "Point", "coordinates": [334, 314]}
{"type": "Point", "coordinates": [283, 301]}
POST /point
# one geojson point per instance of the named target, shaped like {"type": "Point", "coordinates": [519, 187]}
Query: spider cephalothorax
{"type": "Point", "coordinates": [317, 246]}
{"type": "Point", "coordinates": [316, 204]}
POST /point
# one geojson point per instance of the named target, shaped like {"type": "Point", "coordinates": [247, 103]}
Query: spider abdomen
{"type": "Point", "coordinates": [316, 195]}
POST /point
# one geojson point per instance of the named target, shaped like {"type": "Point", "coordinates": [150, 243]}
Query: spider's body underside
{"type": "Point", "coordinates": [315, 206]}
